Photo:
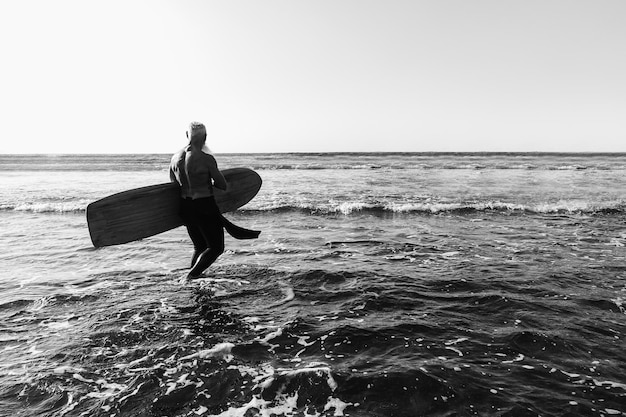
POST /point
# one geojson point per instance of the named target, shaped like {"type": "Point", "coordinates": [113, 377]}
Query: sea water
{"type": "Point", "coordinates": [381, 285]}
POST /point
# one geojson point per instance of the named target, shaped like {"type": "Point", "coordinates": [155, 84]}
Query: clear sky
{"type": "Point", "coordinates": [119, 76]}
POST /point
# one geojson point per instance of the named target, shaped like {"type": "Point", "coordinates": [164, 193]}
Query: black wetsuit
{"type": "Point", "coordinates": [205, 225]}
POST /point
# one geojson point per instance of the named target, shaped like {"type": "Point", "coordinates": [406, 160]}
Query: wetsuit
{"type": "Point", "coordinates": [204, 224]}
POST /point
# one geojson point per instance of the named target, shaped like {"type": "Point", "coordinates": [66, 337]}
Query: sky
{"type": "Point", "coordinates": [127, 76]}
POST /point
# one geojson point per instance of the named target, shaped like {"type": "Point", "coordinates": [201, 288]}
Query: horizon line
{"type": "Point", "coordinates": [335, 153]}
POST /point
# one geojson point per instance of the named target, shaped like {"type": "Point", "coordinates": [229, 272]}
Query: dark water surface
{"type": "Point", "coordinates": [382, 285]}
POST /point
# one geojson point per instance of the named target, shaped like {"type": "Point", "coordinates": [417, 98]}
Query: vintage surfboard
{"type": "Point", "coordinates": [143, 212]}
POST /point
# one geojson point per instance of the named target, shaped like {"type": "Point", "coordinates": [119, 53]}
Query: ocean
{"type": "Point", "coordinates": [400, 284]}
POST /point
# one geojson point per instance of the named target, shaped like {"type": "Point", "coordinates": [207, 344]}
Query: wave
{"type": "Point", "coordinates": [358, 207]}
{"type": "Point", "coordinates": [352, 208]}
{"type": "Point", "coordinates": [348, 208]}
{"type": "Point", "coordinates": [47, 207]}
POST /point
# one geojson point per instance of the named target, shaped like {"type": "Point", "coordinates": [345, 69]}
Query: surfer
{"type": "Point", "coordinates": [196, 172]}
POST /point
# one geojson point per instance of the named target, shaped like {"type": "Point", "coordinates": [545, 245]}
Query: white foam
{"type": "Point", "coordinates": [455, 350]}
{"type": "Point", "coordinates": [182, 381]}
{"type": "Point", "coordinates": [251, 320]}
{"type": "Point", "coordinates": [454, 342]}
{"type": "Point", "coordinates": [272, 335]}
{"type": "Point", "coordinates": [57, 325]}
{"type": "Point", "coordinates": [110, 389]}
{"type": "Point", "coordinates": [302, 340]}
{"type": "Point", "coordinates": [287, 406]}
{"type": "Point", "coordinates": [67, 369]}
{"type": "Point", "coordinates": [349, 207]}
{"type": "Point", "coordinates": [82, 378]}
{"type": "Point", "coordinates": [338, 405]}
{"type": "Point", "coordinates": [610, 384]}
{"type": "Point", "coordinates": [131, 364]}
{"type": "Point", "coordinates": [519, 357]}
{"type": "Point", "coordinates": [165, 308]}
{"type": "Point", "coordinates": [54, 207]}
{"type": "Point", "coordinates": [221, 350]}
{"type": "Point", "coordinates": [319, 371]}
{"type": "Point", "coordinates": [239, 282]}
{"type": "Point", "coordinates": [255, 403]}
{"type": "Point", "coordinates": [201, 410]}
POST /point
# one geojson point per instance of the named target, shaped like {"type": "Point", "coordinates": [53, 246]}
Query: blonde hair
{"type": "Point", "coordinates": [195, 128]}
{"type": "Point", "coordinates": [196, 134]}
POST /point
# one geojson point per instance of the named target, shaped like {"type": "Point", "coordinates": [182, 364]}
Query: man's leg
{"type": "Point", "coordinates": [193, 223]}
{"type": "Point", "coordinates": [213, 233]}
{"type": "Point", "coordinates": [199, 242]}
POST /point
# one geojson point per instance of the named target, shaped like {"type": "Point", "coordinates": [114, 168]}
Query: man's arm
{"type": "Point", "coordinates": [218, 179]}
{"type": "Point", "coordinates": [174, 163]}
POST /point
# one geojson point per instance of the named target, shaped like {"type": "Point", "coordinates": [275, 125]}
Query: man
{"type": "Point", "coordinates": [197, 173]}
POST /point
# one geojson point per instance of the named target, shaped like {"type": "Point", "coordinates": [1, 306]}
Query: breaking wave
{"type": "Point", "coordinates": [375, 208]}
{"type": "Point", "coordinates": [48, 207]}
{"type": "Point", "coordinates": [460, 208]}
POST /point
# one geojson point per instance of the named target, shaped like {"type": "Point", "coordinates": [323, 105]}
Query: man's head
{"type": "Point", "coordinates": [196, 133]}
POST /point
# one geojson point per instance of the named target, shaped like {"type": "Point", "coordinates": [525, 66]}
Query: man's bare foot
{"type": "Point", "coordinates": [186, 279]}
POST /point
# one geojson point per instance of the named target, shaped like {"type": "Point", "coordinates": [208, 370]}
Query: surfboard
{"type": "Point", "coordinates": [147, 211]}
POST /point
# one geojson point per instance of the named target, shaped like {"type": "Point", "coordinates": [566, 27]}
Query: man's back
{"type": "Point", "coordinates": [192, 169]}
{"type": "Point", "coordinates": [197, 170]}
